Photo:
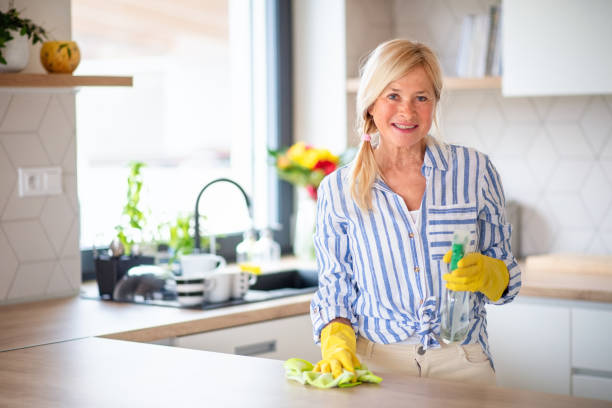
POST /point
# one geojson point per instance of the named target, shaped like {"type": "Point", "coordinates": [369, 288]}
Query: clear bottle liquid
{"type": "Point", "coordinates": [245, 250]}
{"type": "Point", "coordinates": [267, 249]}
{"type": "Point", "coordinates": [455, 308]}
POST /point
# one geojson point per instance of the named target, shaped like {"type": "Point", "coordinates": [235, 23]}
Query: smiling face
{"type": "Point", "coordinates": [403, 112]}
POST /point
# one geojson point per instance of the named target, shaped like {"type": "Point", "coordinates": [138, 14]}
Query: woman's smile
{"type": "Point", "coordinates": [405, 127]}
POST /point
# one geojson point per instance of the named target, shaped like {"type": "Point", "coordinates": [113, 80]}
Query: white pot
{"type": "Point", "coordinates": [16, 53]}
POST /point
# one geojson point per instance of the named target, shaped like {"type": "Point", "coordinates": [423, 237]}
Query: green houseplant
{"type": "Point", "coordinates": [129, 232]}
{"type": "Point", "coordinates": [11, 22]}
{"type": "Point", "coordinates": [178, 236]}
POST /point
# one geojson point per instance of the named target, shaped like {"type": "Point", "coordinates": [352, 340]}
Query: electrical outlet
{"type": "Point", "coordinates": [39, 181]}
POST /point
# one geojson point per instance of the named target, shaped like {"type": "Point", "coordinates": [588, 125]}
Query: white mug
{"type": "Point", "coordinates": [241, 282]}
{"type": "Point", "coordinates": [221, 291]}
{"type": "Point", "coordinates": [192, 291]}
{"type": "Point", "coordinates": [199, 264]}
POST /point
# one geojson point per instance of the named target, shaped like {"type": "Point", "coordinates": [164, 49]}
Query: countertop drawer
{"type": "Point", "coordinates": [591, 339]}
{"type": "Point", "coordinates": [592, 387]}
{"type": "Point", "coordinates": [278, 339]}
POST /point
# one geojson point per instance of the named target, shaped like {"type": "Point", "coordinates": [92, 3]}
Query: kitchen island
{"type": "Point", "coordinates": [72, 352]}
{"type": "Point", "coordinates": [95, 372]}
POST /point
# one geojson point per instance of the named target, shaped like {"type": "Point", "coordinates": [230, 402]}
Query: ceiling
{"type": "Point", "coordinates": [125, 27]}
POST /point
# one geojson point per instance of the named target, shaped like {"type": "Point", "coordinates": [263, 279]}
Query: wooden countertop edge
{"type": "Point", "coordinates": [589, 295]}
{"type": "Point", "coordinates": [241, 315]}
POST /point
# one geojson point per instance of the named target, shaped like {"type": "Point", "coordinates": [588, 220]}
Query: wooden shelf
{"type": "Point", "coordinates": [450, 83]}
{"type": "Point", "coordinates": [61, 80]}
{"type": "Point", "coordinates": [454, 83]}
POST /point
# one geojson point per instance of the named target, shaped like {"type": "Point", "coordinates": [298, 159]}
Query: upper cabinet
{"type": "Point", "coordinates": [557, 47]}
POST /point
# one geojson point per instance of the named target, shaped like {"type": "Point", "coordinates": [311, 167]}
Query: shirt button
{"type": "Point", "coordinates": [316, 309]}
{"type": "Point", "coordinates": [416, 269]}
{"type": "Point", "coordinates": [421, 302]}
{"type": "Point", "coordinates": [411, 235]}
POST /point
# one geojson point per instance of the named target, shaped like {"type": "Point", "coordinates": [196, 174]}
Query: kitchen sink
{"type": "Point", "coordinates": [271, 285]}
{"type": "Point", "coordinates": [291, 279]}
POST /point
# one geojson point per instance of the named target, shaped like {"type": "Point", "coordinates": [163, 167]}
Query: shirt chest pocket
{"type": "Point", "coordinates": [444, 221]}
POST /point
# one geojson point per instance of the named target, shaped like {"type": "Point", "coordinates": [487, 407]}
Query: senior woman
{"type": "Point", "coordinates": [384, 228]}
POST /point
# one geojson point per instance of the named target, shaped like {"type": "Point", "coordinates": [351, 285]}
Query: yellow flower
{"type": "Point", "coordinates": [327, 155]}
{"type": "Point", "coordinates": [309, 159]}
{"type": "Point", "coordinates": [296, 151]}
{"type": "Point", "coordinates": [283, 162]}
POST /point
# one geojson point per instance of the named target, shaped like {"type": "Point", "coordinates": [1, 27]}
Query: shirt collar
{"type": "Point", "coordinates": [436, 155]}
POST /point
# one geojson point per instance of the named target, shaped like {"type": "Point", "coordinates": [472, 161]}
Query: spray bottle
{"type": "Point", "coordinates": [455, 309]}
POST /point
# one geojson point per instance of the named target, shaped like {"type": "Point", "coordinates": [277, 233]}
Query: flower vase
{"type": "Point", "coordinates": [304, 226]}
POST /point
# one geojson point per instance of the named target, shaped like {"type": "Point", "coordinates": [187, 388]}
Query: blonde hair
{"type": "Point", "coordinates": [389, 62]}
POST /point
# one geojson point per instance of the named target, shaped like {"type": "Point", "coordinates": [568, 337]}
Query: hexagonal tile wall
{"type": "Point", "coordinates": [38, 235]}
{"type": "Point", "coordinates": [56, 132]}
{"type": "Point", "coordinates": [9, 266]}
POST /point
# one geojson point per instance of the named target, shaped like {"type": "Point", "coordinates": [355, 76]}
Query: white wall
{"type": "Point", "coordinates": [319, 70]}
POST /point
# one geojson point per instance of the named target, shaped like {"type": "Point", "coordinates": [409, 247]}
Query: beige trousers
{"type": "Point", "coordinates": [466, 363]}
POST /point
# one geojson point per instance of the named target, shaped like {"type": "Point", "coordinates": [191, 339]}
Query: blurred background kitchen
{"type": "Point", "coordinates": [203, 105]}
{"type": "Point", "coordinates": [217, 83]}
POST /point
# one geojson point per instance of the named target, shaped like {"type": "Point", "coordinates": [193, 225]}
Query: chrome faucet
{"type": "Point", "coordinates": [197, 248]}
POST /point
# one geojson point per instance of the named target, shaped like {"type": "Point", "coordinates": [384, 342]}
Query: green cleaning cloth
{"type": "Point", "coordinates": [301, 371]}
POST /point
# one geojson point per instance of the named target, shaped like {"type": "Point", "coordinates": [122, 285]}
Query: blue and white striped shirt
{"type": "Point", "coordinates": [383, 271]}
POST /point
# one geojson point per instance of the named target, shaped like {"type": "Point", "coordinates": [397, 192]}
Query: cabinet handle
{"type": "Point", "coordinates": [256, 348]}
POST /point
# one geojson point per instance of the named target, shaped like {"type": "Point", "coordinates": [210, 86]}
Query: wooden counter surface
{"type": "Point", "coordinates": [570, 285]}
{"type": "Point", "coordinates": [50, 321]}
{"type": "Point", "coordinates": [105, 373]}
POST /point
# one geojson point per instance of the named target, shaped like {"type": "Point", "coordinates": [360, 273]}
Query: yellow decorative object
{"type": "Point", "coordinates": [60, 57]}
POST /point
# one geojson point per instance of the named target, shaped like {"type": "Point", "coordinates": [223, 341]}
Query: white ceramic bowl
{"type": "Point", "coordinates": [191, 299]}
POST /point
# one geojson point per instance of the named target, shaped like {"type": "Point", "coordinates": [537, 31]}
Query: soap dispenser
{"type": "Point", "coordinates": [267, 249]}
{"type": "Point", "coordinates": [245, 250]}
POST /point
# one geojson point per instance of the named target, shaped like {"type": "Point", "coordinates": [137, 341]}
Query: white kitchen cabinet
{"type": "Point", "coordinates": [556, 47]}
{"type": "Point", "coordinates": [551, 345]}
{"type": "Point", "coordinates": [278, 339]}
{"type": "Point", "coordinates": [530, 344]}
{"type": "Point", "coordinates": [592, 339]}
{"type": "Point", "coordinates": [592, 352]}
{"type": "Point", "coordinates": [590, 386]}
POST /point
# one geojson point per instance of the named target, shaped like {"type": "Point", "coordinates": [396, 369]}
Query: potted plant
{"type": "Point", "coordinates": [15, 34]}
{"type": "Point", "coordinates": [177, 238]}
{"type": "Point", "coordinates": [126, 248]}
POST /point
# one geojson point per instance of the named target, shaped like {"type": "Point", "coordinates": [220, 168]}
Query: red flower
{"type": "Point", "coordinates": [312, 191]}
{"type": "Point", "coordinates": [325, 165]}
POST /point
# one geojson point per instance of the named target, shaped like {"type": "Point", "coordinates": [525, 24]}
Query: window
{"type": "Point", "coordinates": [198, 110]}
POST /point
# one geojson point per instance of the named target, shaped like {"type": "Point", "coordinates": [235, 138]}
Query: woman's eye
{"type": "Point", "coordinates": [422, 98]}
{"type": "Point", "coordinates": [393, 97]}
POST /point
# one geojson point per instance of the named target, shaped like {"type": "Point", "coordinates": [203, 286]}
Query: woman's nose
{"type": "Point", "coordinates": [407, 107]}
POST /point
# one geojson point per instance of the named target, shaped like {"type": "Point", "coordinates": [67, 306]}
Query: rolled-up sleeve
{"type": "Point", "coordinates": [336, 294]}
{"type": "Point", "coordinates": [494, 230]}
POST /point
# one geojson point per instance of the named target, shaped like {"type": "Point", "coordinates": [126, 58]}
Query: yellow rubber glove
{"type": "Point", "coordinates": [478, 273]}
{"type": "Point", "coordinates": [338, 350]}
